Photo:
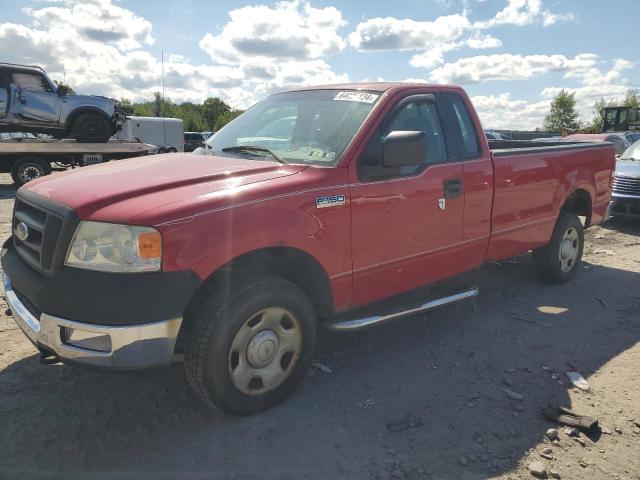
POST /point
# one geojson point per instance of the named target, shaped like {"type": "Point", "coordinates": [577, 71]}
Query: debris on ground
{"type": "Point", "coordinates": [603, 302]}
{"type": "Point", "coordinates": [618, 430]}
{"type": "Point", "coordinates": [538, 469]}
{"type": "Point", "coordinates": [552, 434]}
{"type": "Point", "coordinates": [578, 381]}
{"type": "Point", "coordinates": [580, 440]}
{"type": "Point", "coordinates": [407, 422]}
{"type": "Point", "coordinates": [567, 417]}
{"type": "Point", "coordinates": [513, 395]}
{"type": "Point", "coordinates": [369, 402]}
{"type": "Point", "coordinates": [554, 474]}
{"type": "Point", "coordinates": [322, 367]}
{"type": "Point", "coordinates": [572, 432]}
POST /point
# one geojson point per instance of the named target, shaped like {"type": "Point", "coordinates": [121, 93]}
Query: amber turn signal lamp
{"type": "Point", "coordinates": [150, 245]}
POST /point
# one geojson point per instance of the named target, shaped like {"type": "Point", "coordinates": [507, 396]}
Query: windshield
{"type": "Point", "coordinates": [311, 127]}
{"type": "Point", "coordinates": [632, 153]}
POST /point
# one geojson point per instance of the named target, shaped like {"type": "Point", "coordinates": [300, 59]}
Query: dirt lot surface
{"type": "Point", "coordinates": [421, 398]}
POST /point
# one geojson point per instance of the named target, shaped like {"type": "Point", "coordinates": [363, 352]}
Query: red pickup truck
{"type": "Point", "coordinates": [310, 204]}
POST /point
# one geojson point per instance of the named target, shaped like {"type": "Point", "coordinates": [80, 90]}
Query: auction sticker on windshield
{"type": "Point", "coordinates": [362, 97]}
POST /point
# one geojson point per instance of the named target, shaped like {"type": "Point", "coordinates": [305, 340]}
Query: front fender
{"type": "Point", "coordinates": [207, 240]}
{"type": "Point", "coordinates": [74, 105]}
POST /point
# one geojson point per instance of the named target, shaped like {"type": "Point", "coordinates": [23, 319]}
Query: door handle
{"type": "Point", "coordinates": [452, 188]}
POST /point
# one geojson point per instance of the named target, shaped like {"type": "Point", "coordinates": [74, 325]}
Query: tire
{"type": "Point", "coordinates": [559, 260]}
{"type": "Point", "coordinates": [26, 169]}
{"type": "Point", "coordinates": [91, 128]}
{"type": "Point", "coordinates": [171, 150]}
{"type": "Point", "coordinates": [250, 344]}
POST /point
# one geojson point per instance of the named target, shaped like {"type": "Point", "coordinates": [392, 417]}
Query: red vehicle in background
{"type": "Point", "coordinates": [308, 205]}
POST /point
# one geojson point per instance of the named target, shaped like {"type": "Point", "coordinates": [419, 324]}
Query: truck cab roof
{"type": "Point", "coordinates": [372, 86]}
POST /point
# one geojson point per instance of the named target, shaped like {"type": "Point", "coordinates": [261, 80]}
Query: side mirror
{"type": "Point", "coordinates": [404, 149]}
{"type": "Point", "coordinates": [63, 90]}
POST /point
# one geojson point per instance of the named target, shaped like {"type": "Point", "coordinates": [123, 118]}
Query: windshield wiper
{"type": "Point", "coordinates": [253, 148]}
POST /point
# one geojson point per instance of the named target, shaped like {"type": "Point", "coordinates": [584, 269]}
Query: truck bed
{"type": "Point", "coordinates": [504, 147]}
{"type": "Point", "coordinates": [532, 181]}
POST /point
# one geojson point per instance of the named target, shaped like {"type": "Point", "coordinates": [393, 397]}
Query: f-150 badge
{"type": "Point", "coordinates": [330, 201]}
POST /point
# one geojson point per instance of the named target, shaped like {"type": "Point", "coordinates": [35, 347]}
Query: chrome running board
{"type": "Point", "coordinates": [359, 323]}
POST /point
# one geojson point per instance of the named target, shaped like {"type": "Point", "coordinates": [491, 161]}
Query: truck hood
{"type": "Point", "coordinates": [121, 190]}
{"type": "Point", "coordinates": [628, 168]}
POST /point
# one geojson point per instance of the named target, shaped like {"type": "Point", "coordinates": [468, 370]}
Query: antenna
{"type": "Point", "coordinates": [164, 117]}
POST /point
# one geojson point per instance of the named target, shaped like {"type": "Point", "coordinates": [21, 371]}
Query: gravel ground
{"type": "Point", "coordinates": [417, 399]}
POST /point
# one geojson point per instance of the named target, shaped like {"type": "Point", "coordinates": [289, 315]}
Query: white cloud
{"type": "Point", "coordinates": [291, 30]}
{"type": "Point", "coordinates": [483, 68]}
{"type": "Point", "coordinates": [501, 111]}
{"type": "Point", "coordinates": [391, 33]}
{"type": "Point", "coordinates": [96, 20]}
{"type": "Point", "coordinates": [101, 48]}
{"type": "Point", "coordinates": [595, 83]}
{"type": "Point", "coordinates": [524, 12]}
{"type": "Point", "coordinates": [480, 42]}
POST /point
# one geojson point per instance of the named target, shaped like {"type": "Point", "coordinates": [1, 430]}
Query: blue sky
{"type": "Point", "coordinates": [512, 56]}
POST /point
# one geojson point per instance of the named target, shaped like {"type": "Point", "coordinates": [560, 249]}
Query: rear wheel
{"type": "Point", "coordinates": [26, 169]}
{"type": "Point", "coordinates": [91, 128]}
{"type": "Point", "coordinates": [560, 260]}
{"type": "Point", "coordinates": [250, 345]}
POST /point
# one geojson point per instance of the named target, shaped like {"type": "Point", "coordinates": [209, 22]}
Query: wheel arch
{"type": "Point", "coordinates": [292, 264]}
{"type": "Point", "coordinates": [580, 203]}
{"type": "Point", "coordinates": [81, 110]}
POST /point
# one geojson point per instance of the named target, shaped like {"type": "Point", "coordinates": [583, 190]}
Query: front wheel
{"type": "Point", "coordinates": [91, 128]}
{"type": "Point", "coordinates": [250, 344]}
{"type": "Point", "coordinates": [560, 260]}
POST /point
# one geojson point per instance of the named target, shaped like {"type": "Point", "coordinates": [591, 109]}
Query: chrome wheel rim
{"type": "Point", "coordinates": [569, 249]}
{"type": "Point", "coordinates": [29, 171]}
{"type": "Point", "coordinates": [265, 350]}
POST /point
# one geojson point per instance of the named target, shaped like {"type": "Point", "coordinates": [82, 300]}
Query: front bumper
{"type": "Point", "coordinates": [119, 117]}
{"type": "Point", "coordinates": [626, 206]}
{"type": "Point", "coordinates": [109, 346]}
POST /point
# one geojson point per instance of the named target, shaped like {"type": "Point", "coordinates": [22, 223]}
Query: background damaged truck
{"type": "Point", "coordinates": [364, 192]}
{"type": "Point", "coordinates": [31, 102]}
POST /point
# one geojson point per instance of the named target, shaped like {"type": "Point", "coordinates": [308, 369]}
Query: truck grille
{"type": "Point", "coordinates": [626, 185]}
{"type": "Point", "coordinates": [49, 226]}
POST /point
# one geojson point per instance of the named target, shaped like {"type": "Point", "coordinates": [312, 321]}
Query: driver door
{"type": "Point", "coordinates": [406, 221]}
{"type": "Point", "coordinates": [33, 99]}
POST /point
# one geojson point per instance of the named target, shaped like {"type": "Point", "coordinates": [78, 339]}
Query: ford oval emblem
{"type": "Point", "coordinates": [22, 231]}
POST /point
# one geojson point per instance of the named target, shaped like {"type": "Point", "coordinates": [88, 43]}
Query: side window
{"type": "Point", "coordinates": [459, 129]}
{"type": "Point", "coordinates": [31, 81]}
{"type": "Point", "coordinates": [413, 116]}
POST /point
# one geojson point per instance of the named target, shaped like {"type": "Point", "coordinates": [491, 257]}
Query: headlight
{"type": "Point", "coordinates": [115, 248]}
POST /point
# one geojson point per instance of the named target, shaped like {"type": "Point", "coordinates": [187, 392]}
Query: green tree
{"type": "Point", "coordinates": [598, 113]}
{"type": "Point", "coordinates": [562, 114]}
{"type": "Point", "coordinates": [70, 89]}
{"type": "Point", "coordinates": [632, 97]}
{"type": "Point", "coordinates": [212, 109]}
{"type": "Point", "coordinates": [226, 118]}
{"type": "Point", "coordinates": [157, 104]}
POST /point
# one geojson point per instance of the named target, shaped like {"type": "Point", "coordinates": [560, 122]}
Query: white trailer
{"type": "Point", "coordinates": [166, 133]}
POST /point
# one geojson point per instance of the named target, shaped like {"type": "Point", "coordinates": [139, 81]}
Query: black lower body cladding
{"type": "Point", "coordinates": [100, 298]}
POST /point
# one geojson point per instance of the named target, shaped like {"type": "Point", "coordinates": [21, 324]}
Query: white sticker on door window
{"type": "Point", "coordinates": [362, 97]}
